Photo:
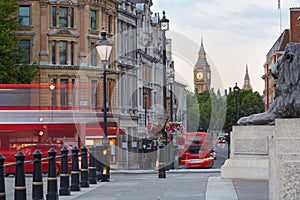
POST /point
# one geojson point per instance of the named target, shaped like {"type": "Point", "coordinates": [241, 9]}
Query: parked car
{"type": "Point", "coordinates": [221, 139]}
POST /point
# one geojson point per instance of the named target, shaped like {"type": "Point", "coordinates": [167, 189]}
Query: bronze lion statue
{"type": "Point", "coordinates": [286, 73]}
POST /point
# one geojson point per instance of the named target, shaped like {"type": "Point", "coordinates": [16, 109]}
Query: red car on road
{"type": "Point", "coordinates": [221, 139]}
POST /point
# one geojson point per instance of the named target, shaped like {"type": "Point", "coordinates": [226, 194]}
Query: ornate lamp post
{"type": "Point", "coordinates": [145, 102]}
{"type": "Point", "coordinates": [172, 148]}
{"type": "Point", "coordinates": [171, 80]}
{"type": "Point", "coordinates": [52, 88]}
{"type": "Point", "coordinates": [164, 25]}
{"type": "Point", "coordinates": [236, 91]}
{"type": "Point", "coordinates": [104, 47]}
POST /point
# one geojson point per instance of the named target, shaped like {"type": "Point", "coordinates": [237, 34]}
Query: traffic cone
{"type": "Point", "coordinates": [157, 161]}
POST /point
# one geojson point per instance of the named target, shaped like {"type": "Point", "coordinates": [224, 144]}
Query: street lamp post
{"type": "Point", "coordinates": [171, 94]}
{"type": "Point", "coordinates": [104, 47]}
{"type": "Point", "coordinates": [164, 23]}
{"type": "Point", "coordinates": [236, 91]}
{"type": "Point", "coordinates": [52, 88]}
{"type": "Point", "coordinates": [172, 148]}
{"type": "Point", "coordinates": [145, 97]}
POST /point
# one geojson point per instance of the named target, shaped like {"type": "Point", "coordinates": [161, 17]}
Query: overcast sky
{"type": "Point", "coordinates": [235, 33]}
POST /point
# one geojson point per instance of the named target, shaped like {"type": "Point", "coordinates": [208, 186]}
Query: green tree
{"type": "Point", "coordinates": [204, 101]}
{"type": "Point", "coordinates": [248, 103]}
{"type": "Point", "coordinates": [205, 111]}
{"type": "Point", "coordinates": [192, 112]}
{"type": "Point", "coordinates": [13, 68]}
{"type": "Point", "coordinates": [218, 112]}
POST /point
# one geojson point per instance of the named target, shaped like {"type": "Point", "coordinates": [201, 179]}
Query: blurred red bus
{"type": "Point", "coordinates": [197, 152]}
{"type": "Point", "coordinates": [9, 154]}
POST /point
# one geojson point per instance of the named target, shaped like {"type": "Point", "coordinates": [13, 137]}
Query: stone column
{"type": "Point", "coordinates": [285, 160]}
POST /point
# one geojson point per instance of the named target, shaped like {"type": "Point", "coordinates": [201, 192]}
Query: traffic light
{"type": "Point", "coordinates": [144, 145]}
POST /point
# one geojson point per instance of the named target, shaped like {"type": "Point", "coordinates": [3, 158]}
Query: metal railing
{"type": "Point", "coordinates": [79, 177]}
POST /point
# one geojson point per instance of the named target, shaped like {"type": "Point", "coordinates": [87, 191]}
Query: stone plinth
{"type": "Point", "coordinates": [249, 157]}
{"type": "Point", "coordinates": [285, 160]}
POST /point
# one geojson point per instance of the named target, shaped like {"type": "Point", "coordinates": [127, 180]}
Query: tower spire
{"type": "Point", "coordinates": [247, 85]}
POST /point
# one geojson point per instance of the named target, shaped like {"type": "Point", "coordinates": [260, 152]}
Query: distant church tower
{"type": "Point", "coordinates": [247, 85]}
{"type": "Point", "coordinates": [202, 72]}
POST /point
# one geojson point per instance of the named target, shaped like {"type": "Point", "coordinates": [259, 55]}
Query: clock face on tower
{"type": "Point", "coordinates": [199, 75]}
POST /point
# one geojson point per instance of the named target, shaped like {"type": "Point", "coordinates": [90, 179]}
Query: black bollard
{"type": "Point", "coordinates": [64, 173]}
{"type": "Point", "coordinates": [37, 181]}
{"type": "Point", "coordinates": [75, 170]}
{"type": "Point", "coordinates": [2, 182]}
{"type": "Point", "coordinates": [52, 180]}
{"type": "Point", "coordinates": [20, 187]}
{"type": "Point", "coordinates": [84, 168]}
{"type": "Point", "coordinates": [92, 166]}
{"type": "Point", "coordinates": [162, 164]}
{"type": "Point", "coordinates": [102, 156]}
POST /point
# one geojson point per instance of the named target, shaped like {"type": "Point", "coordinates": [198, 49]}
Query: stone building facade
{"type": "Point", "coordinates": [60, 36]}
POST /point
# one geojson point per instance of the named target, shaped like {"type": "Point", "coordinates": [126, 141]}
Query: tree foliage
{"type": "Point", "coordinates": [205, 111]}
{"type": "Point", "coordinates": [12, 66]}
{"type": "Point", "coordinates": [248, 103]}
{"type": "Point", "coordinates": [204, 102]}
{"type": "Point", "coordinates": [192, 112]}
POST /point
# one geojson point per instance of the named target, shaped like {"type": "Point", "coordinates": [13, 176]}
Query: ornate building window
{"type": "Point", "coordinates": [94, 93]}
{"type": "Point", "coordinates": [63, 52]}
{"type": "Point", "coordinates": [93, 55]}
{"type": "Point", "coordinates": [71, 17]}
{"type": "Point", "coordinates": [72, 52]}
{"type": "Point", "coordinates": [24, 15]}
{"type": "Point", "coordinates": [93, 20]}
{"type": "Point", "coordinates": [53, 50]}
{"type": "Point", "coordinates": [24, 47]}
{"type": "Point", "coordinates": [109, 24]}
{"type": "Point", "coordinates": [54, 22]}
{"type": "Point", "coordinates": [64, 17]}
{"type": "Point", "coordinates": [54, 81]}
{"type": "Point", "coordinates": [64, 92]}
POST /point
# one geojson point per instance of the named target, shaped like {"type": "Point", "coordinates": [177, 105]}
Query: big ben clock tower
{"type": "Point", "coordinates": [202, 76]}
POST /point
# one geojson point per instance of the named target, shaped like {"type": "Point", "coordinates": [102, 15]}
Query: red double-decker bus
{"type": "Point", "coordinates": [197, 151]}
{"type": "Point", "coordinates": [33, 116]}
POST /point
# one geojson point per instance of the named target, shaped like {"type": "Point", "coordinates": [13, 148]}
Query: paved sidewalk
{"type": "Point", "coordinates": [217, 188]}
{"type": "Point", "coordinates": [236, 189]}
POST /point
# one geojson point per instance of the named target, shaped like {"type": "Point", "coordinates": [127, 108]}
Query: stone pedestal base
{"type": "Point", "coordinates": [285, 160]}
{"type": "Point", "coordinates": [249, 153]}
{"type": "Point", "coordinates": [249, 167]}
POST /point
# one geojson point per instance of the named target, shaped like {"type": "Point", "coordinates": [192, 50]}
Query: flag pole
{"type": "Point", "coordinates": [279, 8]}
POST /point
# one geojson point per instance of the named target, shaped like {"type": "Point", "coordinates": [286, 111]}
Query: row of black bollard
{"type": "Point", "coordinates": [88, 174]}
